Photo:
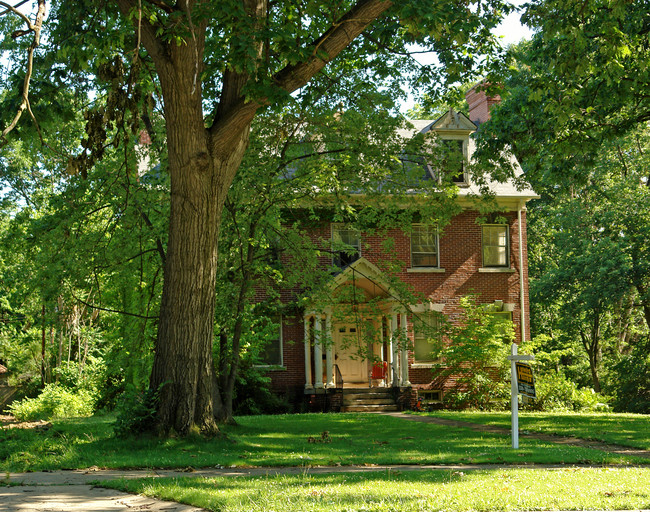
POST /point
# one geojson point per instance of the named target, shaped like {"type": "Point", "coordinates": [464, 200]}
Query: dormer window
{"type": "Point", "coordinates": [346, 245]}
{"type": "Point", "coordinates": [453, 161]}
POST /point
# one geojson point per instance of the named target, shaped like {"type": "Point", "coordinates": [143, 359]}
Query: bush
{"type": "Point", "coordinates": [54, 402]}
{"type": "Point", "coordinates": [555, 392]}
{"type": "Point", "coordinates": [480, 392]}
{"type": "Point", "coordinates": [253, 394]}
{"type": "Point", "coordinates": [136, 412]}
{"type": "Point", "coordinates": [632, 384]}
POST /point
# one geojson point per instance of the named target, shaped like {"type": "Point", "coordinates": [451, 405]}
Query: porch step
{"type": "Point", "coordinates": [368, 400]}
{"type": "Point", "coordinates": [369, 408]}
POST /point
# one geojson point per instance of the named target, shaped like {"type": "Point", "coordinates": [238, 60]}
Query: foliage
{"type": "Point", "coordinates": [213, 67]}
{"type": "Point", "coordinates": [54, 401]}
{"type": "Point", "coordinates": [474, 352]}
{"type": "Point", "coordinates": [135, 413]}
{"type": "Point", "coordinates": [555, 392]}
{"type": "Point", "coordinates": [631, 388]}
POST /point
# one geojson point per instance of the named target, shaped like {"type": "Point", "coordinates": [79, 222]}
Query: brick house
{"type": "Point", "coordinates": [378, 344]}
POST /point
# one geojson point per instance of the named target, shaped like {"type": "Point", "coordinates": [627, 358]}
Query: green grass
{"type": "Point", "coordinates": [484, 490]}
{"type": "Point", "coordinates": [282, 440]}
{"type": "Point", "coordinates": [625, 429]}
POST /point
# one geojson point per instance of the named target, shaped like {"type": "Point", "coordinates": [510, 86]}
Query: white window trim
{"type": "Point", "coordinates": [496, 268]}
{"type": "Point", "coordinates": [413, 268]}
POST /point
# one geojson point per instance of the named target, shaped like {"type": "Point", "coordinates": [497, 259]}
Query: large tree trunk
{"type": "Point", "coordinates": [183, 369]}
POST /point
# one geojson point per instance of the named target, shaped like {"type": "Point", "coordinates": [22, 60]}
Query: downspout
{"type": "Point", "coordinates": [521, 275]}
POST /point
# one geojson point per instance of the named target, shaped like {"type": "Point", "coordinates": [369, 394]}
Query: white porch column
{"type": "Point", "coordinates": [318, 352]}
{"type": "Point", "coordinates": [308, 380]}
{"type": "Point", "coordinates": [394, 336]}
{"type": "Point", "coordinates": [329, 351]}
{"type": "Point", "coordinates": [404, 363]}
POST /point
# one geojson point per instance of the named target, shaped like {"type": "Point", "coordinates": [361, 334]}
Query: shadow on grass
{"type": "Point", "coordinates": [284, 440]}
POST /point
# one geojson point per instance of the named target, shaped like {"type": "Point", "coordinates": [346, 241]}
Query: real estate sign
{"type": "Point", "coordinates": [525, 379]}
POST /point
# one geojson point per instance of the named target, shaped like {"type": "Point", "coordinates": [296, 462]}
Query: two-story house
{"type": "Point", "coordinates": [373, 338]}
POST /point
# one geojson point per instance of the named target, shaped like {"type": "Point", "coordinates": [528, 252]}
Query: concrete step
{"type": "Point", "coordinates": [368, 401]}
{"type": "Point", "coordinates": [367, 396]}
{"type": "Point", "coordinates": [369, 408]}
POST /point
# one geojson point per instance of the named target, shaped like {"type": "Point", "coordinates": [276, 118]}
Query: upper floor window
{"type": "Point", "coordinates": [424, 246]}
{"type": "Point", "coordinates": [495, 245]}
{"type": "Point", "coordinates": [346, 245]}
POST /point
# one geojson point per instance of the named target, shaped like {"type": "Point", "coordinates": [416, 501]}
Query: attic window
{"type": "Point", "coordinates": [453, 162]}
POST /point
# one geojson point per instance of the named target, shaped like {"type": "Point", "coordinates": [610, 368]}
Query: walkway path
{"type": "Point", "coordinates": [73, 491]}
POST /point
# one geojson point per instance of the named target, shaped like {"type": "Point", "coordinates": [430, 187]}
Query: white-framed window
{"type": "Point", "coordinates": [271, 354]}
{"type": "Point", "coordinates": [424, 246]}
{"type": "Point", "coordinates": [426, 337]}
{"type": "Point", "coordinates": [346, 245]}
{"type": "Point", "coordinates": [496, 249]}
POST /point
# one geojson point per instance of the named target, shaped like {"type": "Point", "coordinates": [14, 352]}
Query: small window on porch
{"type": "Point", "coordinates": [271, 354]}
{"type": "Point", "coordinates": [346, 245]}
{"type": "Point", "coordinates": [426, 337]}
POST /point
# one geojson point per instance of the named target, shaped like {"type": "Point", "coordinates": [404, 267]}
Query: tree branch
{"type": "Point", "coordinates": [24, 104]}
{"type": "Point", "coordinates": [227, 127]}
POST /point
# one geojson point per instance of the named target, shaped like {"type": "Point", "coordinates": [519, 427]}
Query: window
{"type": "Point", "coordinates": [424, 246]}
{"type": "Point", "coordinates": [271, 354]}
{"type": "Point", "coordinates": [453, 162]}
{"type": "Point", "coordinates": [346, 245]}
{"type": "Point", "coordinates": [426, 336]}
{"type": "Point", "coordinates": [495, 246]}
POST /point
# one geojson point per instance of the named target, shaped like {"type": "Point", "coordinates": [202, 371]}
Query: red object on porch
{"type": "Point", "coordinates": [379, 370]}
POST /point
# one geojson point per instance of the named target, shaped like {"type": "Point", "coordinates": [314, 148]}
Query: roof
{"type": "Point", "coordinates": [457, 124]}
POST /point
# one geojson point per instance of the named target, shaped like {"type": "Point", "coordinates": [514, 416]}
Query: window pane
{"type": "Point", "coordinates": [343, 256]}
{"type": "Point", "coordinates": [495, 246]}
{"type": "Point", "coordinates": [425, 337]}
{"type": "Point", "coordinates": [271, 354]}
{"type": "Point", "coordinates": [424, 246]}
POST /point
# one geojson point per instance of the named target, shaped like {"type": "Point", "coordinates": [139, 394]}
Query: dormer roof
{"type": "Point", "coordinates": [453, 121]}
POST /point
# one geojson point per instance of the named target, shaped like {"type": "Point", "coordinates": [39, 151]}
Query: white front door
{"type": "Point", "coordinates": [350, 354]}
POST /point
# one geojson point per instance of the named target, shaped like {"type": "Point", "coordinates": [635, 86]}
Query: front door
{"type": "Point", "coordinates": [350, 351]}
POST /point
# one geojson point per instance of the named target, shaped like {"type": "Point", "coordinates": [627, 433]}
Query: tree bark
{"type": "Point", "coordinates": [202, 165]}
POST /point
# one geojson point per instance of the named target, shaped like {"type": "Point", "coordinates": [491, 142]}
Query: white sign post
{"type": "Point", "coordinates": [514, 395]}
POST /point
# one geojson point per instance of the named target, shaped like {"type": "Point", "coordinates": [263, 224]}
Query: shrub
{"type": "Point", "coordinates": [555, 392]}
{"type": "Point", "coordinates": [253, 394]}
{"type": "Point", "coordinates": [632, 384]}
{"type": "Point", "coordinates": [54, 401]}
{"type": "Point", "coordinates": [136, 412]}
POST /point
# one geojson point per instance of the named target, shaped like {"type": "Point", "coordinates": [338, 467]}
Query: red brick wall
{"type": "Point", "coordinates": [460, 257]}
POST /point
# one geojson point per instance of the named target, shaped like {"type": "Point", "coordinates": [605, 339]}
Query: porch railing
{"type": "Point", "coordinates": [338, 378]}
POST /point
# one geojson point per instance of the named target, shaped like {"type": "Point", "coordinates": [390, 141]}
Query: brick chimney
{"type": "Point", "coordinates": [479, 103]}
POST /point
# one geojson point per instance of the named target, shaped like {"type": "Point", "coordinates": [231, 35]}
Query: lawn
{"type": "Point", "coordinates": [430, 490]}
{"type": "Point", "coordinates": [284, 440]}
{"type": "Point", "coordinates": [625, 429]}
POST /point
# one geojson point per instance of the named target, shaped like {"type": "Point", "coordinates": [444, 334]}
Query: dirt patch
{"type": "Point", "coordinates": [9, 421]}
